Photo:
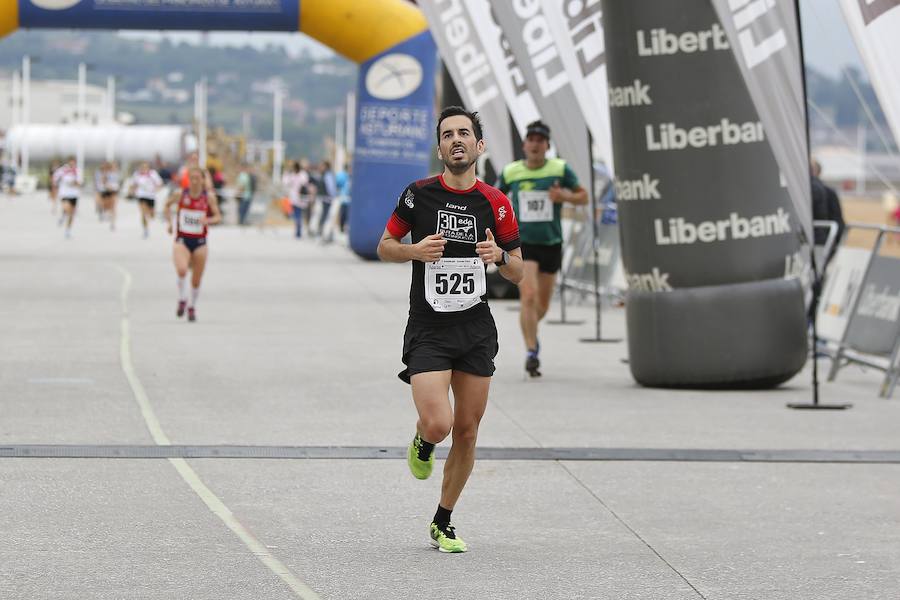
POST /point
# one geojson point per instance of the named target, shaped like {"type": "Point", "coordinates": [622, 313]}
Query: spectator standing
{"type": "Point", "coordinates": [826, 207]}
{"type": "Point", "coordinates": [327, 196]}
{"type": "Point", "coordinates": [344, 184]}
{"type": "Point", "coordinates": [8, 177]}
{"type": "Point", "coordinates": [246, 184]}
{"type": "Point", "coordinates": [313, 189]}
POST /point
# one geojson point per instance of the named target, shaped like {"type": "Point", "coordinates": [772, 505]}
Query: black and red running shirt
{"type": "Point", "coordinates": [430, 206]}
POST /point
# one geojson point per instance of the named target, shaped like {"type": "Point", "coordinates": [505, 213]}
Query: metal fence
{"type": "Point", "coordinates": [859, 312]}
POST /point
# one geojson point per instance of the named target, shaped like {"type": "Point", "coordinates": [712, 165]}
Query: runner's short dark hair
{"type": "Point", "coordinates": [452, 111]}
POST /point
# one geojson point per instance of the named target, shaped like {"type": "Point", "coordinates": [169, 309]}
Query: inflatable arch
{"type": "Point", "coordinates": [388, 38]}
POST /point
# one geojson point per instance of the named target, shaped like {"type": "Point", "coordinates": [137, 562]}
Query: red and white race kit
{"type": "Point", "coordinates": [190, 215]}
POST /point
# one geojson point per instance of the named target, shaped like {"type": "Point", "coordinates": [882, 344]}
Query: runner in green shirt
{"type": "Point", "coordinates": [538, 186]}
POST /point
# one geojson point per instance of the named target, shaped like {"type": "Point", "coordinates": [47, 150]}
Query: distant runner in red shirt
{"type": "Point", "coordinates": [197, 208]}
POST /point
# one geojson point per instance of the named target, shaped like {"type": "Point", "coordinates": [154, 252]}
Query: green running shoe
{"type": "Point", "coordinates": [443, 537]}
{"type": "Point", "coordinates": [421, 469]}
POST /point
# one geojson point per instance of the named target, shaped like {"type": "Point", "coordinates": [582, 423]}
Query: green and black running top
{"type": "Point", "coordinates": [529, 191]}
{"type": "Point", "coordinates": [452, 289]}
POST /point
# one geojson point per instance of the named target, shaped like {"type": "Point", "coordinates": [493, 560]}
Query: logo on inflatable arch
{"type": "Point", "coordinates": [55, 4]}
{"type": "Point", "coordinates": [393, 76]}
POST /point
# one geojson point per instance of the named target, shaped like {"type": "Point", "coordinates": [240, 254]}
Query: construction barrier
{"type": "Point", "coordinates": [859, 312]}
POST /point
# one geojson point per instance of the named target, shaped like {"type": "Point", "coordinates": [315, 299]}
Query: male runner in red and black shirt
{"type": "Point", "coordinates": [458, 225]}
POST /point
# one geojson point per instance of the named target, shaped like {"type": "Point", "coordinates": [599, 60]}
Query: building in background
{"type": "Point", "coordinates": [55, 101]}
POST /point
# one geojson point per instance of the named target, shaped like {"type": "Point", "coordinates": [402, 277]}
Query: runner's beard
{"type": "Point", "coordinates": [458, 168]}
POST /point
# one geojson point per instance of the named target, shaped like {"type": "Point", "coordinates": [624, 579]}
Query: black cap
{"type": "Point", "coordinates": [538, 128]}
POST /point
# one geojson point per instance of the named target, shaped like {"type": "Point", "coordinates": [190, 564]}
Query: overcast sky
{"type": "Point", "coordinates": [826, 39]}
{"type": "Point", "coordinates": [827, 42]}
{"type": "Point", "coordinates": [293, 42]}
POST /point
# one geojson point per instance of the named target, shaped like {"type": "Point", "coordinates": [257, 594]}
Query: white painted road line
{"type": "Point", "coordinates": [215, 505]}
{"type": "Point", "coordinates": [61, 381]}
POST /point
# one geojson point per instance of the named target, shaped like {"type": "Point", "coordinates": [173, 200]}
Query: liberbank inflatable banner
{"type": "Point", "coordinates": [710, 235]}
{"type": "Point", "coordinates": [389, 38]}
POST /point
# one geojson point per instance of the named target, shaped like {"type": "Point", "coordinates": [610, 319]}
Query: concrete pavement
{"type": "Point", "coordinates": [298, 345]}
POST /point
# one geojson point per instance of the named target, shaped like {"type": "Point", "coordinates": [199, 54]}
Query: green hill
{"type": "Point", "coordinates": [151, 76]}
{"type": "Point", "coordinates": [240, 81]}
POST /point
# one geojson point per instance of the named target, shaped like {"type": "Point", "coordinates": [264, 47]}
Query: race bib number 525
{"type": "Point", "coordinates": [454, 284]}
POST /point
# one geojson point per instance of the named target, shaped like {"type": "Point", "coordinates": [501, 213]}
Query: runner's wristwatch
{"type": "Point", "coordinates": [504, 259]}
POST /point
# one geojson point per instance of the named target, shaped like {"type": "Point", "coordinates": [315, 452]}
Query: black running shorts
{"type": "Point", "coordinates": [71, 200]}
{"type": "Point", "coordinates": [151, 202]}
{"type": "Point", "coordinates": [469, 347]}
{"type": "Point", "coordinates": [191, 243]}
{"type": "Point", "coordinates": [548, 258]}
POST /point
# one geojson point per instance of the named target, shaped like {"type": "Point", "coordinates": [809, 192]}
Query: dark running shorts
{"type": "Point", "coordinates": [151, 202]}
{"type": "Point", "coordinates": [107, 194]}
{"type": "Point", "coordinates": [469, 347]}
{"type": "Point", "coordinates": [73, 201]}
{"type": "Point", "coordinates": [548, 258]}
{"type": "Point", "coordinates": [191, 243]}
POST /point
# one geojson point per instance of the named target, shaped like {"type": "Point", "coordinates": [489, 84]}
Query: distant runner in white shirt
{"type": "Point", "coordinates": [68, 183]}
{"type": "Point", "coordinates": [145, 183]}
{"type": "Point", "coordinates": [110, 192]}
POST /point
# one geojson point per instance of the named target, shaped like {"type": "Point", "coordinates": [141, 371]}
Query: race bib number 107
{"type": "Point", "coordinates": [535, 206]}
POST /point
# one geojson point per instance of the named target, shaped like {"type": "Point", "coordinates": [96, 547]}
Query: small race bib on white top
{"type": "Point", "coordinates": [535, 206]}
{"type": "Point", "coordinates": [454, 284]}
{"type": "Point", "coordinates": [191, 221]}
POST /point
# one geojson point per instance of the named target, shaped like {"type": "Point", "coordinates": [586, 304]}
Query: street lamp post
{"type": "Point", "coordinates": [245, 134]}
{"type": "Point", "coordinates": [340, 153]}
{"type": "Point", "coordinates": [26, 111]}
{"type": "Point", "coordinates": [200, 119]}
{"type": "Point", "coordinates": [351, 123]}
{"type": "Point", "coordinates": [111, 98]}
{"type": "Point", "coordinates": [111, 117]}
{"type": "Point", "coordinates": [81, 120]}
{"type": "Point", "coordinates": [277, 149]}
{"type": "Point", "coordinates": [13, 149]}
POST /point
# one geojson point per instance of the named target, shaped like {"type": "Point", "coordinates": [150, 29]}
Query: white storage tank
{"type": "Point", "coordinates": [125, 143]}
